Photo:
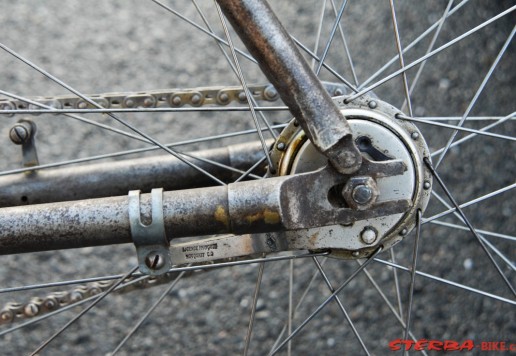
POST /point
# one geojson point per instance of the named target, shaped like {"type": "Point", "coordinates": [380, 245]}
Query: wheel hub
{"type": "Point", "coordinates": [380, 136]}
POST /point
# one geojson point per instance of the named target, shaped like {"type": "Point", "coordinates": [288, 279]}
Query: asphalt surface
{"type": "Point", "coordinates": [106, 46]}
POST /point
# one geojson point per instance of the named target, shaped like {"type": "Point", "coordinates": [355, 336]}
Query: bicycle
{"type": "Point", "coordinates": [357, 298]}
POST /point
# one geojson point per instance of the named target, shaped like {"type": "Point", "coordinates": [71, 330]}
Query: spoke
{"type": "Point", "coordinates": [456, 128]}
{"type": "Point", "coordinates": [484, 129]}
{"type": "Point", "coordinates": [389, 305]}
{"type": "Point", "coordinates": [448, 282]}
{"type": "Point", "coordinates": [473, 231]}
{"type": "Point", "coordinates": [228, 60]}
{"type": "Point", "coordinates": [430, 47]}
{"type": "Point", "coordinates": [341, 307]}
{"type": "Point", "coordinates": [476, 96]}
{"type": "Point", "coordinates": [200, 28]}
{"type": "Point", "coordinates": [332, 36]}
{"type": "Point", "coordinates": [84, 311]}
{"type": "Point", "coordinates": [114, 117]}
{"type": "Point", "coordinates": [323, 304]}
{"type": "Point", "coordinates": [483, 232]}
{"type": "Point", "coordinates": [400, 56]}
{"type": "Point", "coordinates": [142, 110]}
{"type": "Point", "coordinates": [298, 305]}
{"type": "Point", "coordinates": [411, 45]}
{"type": "Point", "coordinates": [244, 84]}
{"type": "Point", "coordinates": [140, 150]}
{"type": "Point", "coordinates": [327, 67]}
{"type": "Point", "coordinates": [413, 274]}
{"type": "Point", "coordinates": [428, 55]}
{"type": "Point", "coordinates": [290, 302]}
{"type": "Point", "coordinates": [344, 42]}
{"type": "Point", "coordinates": [147, 314]}
{"type": "Point", "coordinates": [471, 202]}
{"type": "Point", "coordinates": [488, 244]}
{"type": "Point", "coordinates": [253, 308]}
{"type": "Point", "coordinates": [318, 35]}
{"type": "Point", "coordinates": [70, 306]}
{"type": "Point", "coordinates": [396, 283]}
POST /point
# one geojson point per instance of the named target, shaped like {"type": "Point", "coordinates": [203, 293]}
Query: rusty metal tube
{"type": "Point", "coordinates": [117, 178]}
{"type": "Point", "coordinates": [105, 221]}
{"type": "Point", "coordinates": [298, 86]}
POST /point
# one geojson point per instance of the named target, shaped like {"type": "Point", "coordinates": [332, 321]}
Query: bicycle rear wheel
{"type": "Point", "coordinates": [112, 46]}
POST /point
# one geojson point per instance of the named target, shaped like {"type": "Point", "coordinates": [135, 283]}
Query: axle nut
{"type": "Point", "coordinates": [360, 193]}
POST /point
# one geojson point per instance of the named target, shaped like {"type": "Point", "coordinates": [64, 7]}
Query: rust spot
{"type": "Point", "coordinates": [271, 217]}
{"type": "Point", "coordinates": [313, 238]}
{"type": "Point", "coordinates": [268, 216]}
{"type": "Point", "coordinates": [221, 215]}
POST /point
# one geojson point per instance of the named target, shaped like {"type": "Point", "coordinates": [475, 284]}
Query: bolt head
{"type": "Point", "coordinates": [270, 93]}
{"type": "Point", "coordinates": [281, 146]}
{"type": "Point", "coordinates": [414, 135]}
{"type": "Point", "coordinates": [403, 232]}
{"type": "Point", "coordinates": [196, 99]}
{"type": "Point", "coordinates": [223, 98]}
{"type": "Point", "coordinates": [372, 104]}
{"type": "Point", "coordinates": [19, 134]}
{"type": "Point", "coordinates": [427, 185]}
{"type": "Point", "coordinates": [242, 97]}
{"type": "Point", "coordinates": [355, 253]}
{"type": "Point", "coordinates": [176, 100]}
{"type": "Point", "coordinates": [154, 260]}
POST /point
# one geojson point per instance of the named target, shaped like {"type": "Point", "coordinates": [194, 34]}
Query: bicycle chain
{"type": "Point", "coordinates": [168, 98]}
{"type": "Point", "coordinates": [196, 97]}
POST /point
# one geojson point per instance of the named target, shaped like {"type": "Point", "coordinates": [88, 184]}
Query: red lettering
{"type": "Point", "coordinates": [450, 345]}
{"type": "Point", "coordinates": [435, 345]}
{"type": "Point", "coordinates": [394, 345]}
{"type": "Point", "coordinates": [420, 344]}
{"type": "Point", "coordinates": [408, 344]}
{"type": "Point", "coordinates": [467, 345]}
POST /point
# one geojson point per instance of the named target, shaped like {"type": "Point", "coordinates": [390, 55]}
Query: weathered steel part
{"type": "Point", "coordinates": [274, 204]}
{"type": "Point", "coordinates": [150, 240]}
{"type": "Point", "coordinates": [297, 85]}
{"type": "Point", "coordinates": [166, 98]}
{"type": "Point", "coordinates": [117, 178]}
{"type": "Point", "coordinates": [381, 137]}
{"type": "Point", "coordinates": [24, 134]}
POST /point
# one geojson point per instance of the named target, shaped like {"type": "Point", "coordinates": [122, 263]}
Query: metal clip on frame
{"type": "Point", "coordinates": [152, 245]}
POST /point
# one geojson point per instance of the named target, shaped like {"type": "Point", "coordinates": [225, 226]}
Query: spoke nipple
{"type": "Point", "coordinates": [355, 253]}
{"type": "Point", "coordinates": [281, 146]}
{"type": "Point", "coordinates": [372, 104]}
{"type": "Point", "coordinates": [19, 134]}
{"type": "Point", "coordinates": [426, 185]}
{"type": "Point", "coordinates": [403, 232]}
{"type": "Point", "coordinates": [368, 235]}
{"type": "Point", "coordinates": [414, 135]}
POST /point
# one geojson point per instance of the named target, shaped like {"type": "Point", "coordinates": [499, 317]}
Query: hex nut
{"type": "Point", "coordinates": [360, 192]}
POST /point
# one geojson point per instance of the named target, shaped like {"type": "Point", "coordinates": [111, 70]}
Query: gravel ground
{"type": "Point", "coordinates": [105, 46]}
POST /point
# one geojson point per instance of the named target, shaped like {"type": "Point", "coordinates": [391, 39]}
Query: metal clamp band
{"type": "Point", "coordinates": [152, 246]}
